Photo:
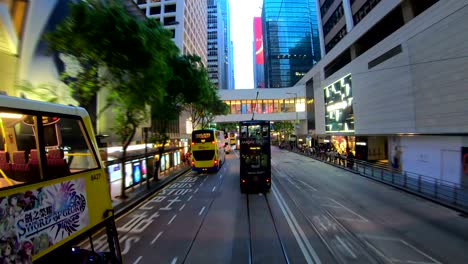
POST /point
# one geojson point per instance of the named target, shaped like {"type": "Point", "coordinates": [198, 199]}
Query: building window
{"type": "Point", "coordinates": [336, 39]}
{"type": "Point", "coordinates": [333, 20]}
{"type": "Point", "coordinates": [155, 10]}
{"type": "Point", "coordinates": [364, 10]}
{"type": "Point", "coordinates": [169, 8]}
{"type": "Point", "coordinates": [169, 20]}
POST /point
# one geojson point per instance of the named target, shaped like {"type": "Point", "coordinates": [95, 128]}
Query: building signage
{"type": "Point", "coordinates": [339, 116]}
{"type": "Point", "coordinates": [258, 40]}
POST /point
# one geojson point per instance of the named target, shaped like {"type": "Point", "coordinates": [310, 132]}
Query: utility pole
{"type": "Point", "coordinates": [297, 121]}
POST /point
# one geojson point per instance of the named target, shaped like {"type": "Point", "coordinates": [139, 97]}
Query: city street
{"type": "Point", "coordinates": [314, 213]}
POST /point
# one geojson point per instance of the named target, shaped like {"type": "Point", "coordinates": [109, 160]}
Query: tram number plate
{"type": "Point", "coordinates": [95, 177]}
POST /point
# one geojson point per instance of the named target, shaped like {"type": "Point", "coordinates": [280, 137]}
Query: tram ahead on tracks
{"type": "Point", "coordinates": [255, 155]}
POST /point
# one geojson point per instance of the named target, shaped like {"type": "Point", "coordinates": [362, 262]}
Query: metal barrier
{"type": "Point", "coordinates": [445, 192]}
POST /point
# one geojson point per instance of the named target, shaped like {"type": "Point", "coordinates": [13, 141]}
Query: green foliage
{"type": "Point", "coordinates": [204, 110]}
{"type": "Point", "coordinates": [118, 51]}
{"type": "Point", "coordinates": [284, 127]}
{"type": "Point", "coordinates": [101, 34]}
{"type": "Point", "coordinates": [228, 127]}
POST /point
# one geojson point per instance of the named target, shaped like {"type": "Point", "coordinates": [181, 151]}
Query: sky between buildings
{"type": "Point", "coordinates": [242, 14]}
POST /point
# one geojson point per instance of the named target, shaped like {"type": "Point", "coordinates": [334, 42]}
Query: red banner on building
{"type": "Point", "coordinates": [258, 40]}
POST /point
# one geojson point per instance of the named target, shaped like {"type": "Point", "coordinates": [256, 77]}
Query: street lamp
{"type": "Point", "coordinates": [297, 121]}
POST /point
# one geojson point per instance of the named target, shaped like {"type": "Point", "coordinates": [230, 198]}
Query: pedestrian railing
{"type": "Point", "coordinates": [445, 192]}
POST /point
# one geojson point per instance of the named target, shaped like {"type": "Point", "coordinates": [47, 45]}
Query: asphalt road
{"type": "Point", "coordinates": [315, 213]}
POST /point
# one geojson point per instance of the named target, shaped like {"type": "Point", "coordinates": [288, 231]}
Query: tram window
{"type": "Point", "coordinates": [76, 145]}
{"type": "Point", "coordinates": [25, 138]}
{"type": "Point", "coordinates": [265, 131]}
{"type": "Point", "coordinates": [244, 131]}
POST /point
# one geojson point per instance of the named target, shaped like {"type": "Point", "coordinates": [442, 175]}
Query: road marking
{"type": "Point", "coordinates": [182, 207]}
{"type": "Point", "coordinates": [214, 188]}
{"type": "Point", "coordinates": [172, 219]}
{"type": "Point", "coordinates": [201, 211]}
{"type": "Point", "coordinates": [201, 184]}
{"type": "Point", "coordinates": [346, 247]}
{"type": "Point", "coordinates": [351, 219]}
{"type": "Point", "coordinates": [174, 260]}
{"type": "Point", "coordinates": [358, 215]}
{"type": "Point", "coordinates": [419, 251]}
{"type": "Point", "coordinates": [156, 238]}
{"type": "Point", "coordinates": [378, 252]}
{"type": "Point", "coordinates": [309, 253]}
{"type": "Point", "coordinates": [138, 259]}
{"type": "Point", "coordinates": [196, 190]}
{"type": "Point", "coordinates": [306, 184]}
{"type": "Point", "coordinates": [190, 198]}
{"type": "Point", "coordinates": [221, 176]}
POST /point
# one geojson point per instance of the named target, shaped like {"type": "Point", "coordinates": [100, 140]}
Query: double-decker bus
{"type": "Point", "coordinates": [255, 155]}
{"type": "Point", "coordinates": [208, 152]}
{"type": "Point", "coordinates": [53, 188]}
{"type": "Point", "coordinates": [232, 138]}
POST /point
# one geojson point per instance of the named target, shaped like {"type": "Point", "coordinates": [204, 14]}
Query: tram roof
{"type": "Point", "coordinates": [28, 104]}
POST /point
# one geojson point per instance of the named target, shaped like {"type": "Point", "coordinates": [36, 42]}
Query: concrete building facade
{"type": "Point", "coordinates": [394, 86]}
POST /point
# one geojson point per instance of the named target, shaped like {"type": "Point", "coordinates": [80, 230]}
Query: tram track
{"type": "Point", "coordinates": [343, 245]}
{"type": "Point", "coordinates": [251, 225]}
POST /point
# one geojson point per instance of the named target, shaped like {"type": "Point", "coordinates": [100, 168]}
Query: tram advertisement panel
{"type": "Point", "coordinates": [254, 155]}
{"type": "Point", "coordinates": [32, 221]}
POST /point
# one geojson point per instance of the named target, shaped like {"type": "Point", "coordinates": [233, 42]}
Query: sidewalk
{"type": "Point", "coordinates": [139, 192]}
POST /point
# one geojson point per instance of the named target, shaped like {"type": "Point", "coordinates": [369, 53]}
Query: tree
{"type": "Point", "coordinates": [204, 111]}
{"type": "Point", "coordinates": [188, 85]}
{"type": "Point", "coordinates": [117, 51]}
{"type": "Point", "coordinates": [284, 128]}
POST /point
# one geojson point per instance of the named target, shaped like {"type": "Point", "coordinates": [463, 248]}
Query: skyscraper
{"type": "Point", "coordinates": [215, 65]}
{"type": "Point", "coordinates": [220, 60]}
{"type": "Point", "coordinates": [290, 40]}
{"type": "Point", "coordinates": [185, 18]}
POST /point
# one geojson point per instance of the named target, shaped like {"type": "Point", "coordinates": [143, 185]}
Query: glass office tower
{"type": "Point", "coordinates": [290, 40]}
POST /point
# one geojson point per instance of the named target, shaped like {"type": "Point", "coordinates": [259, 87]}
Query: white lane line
{"type": "Point", "coordinates": [174, 260]}
{"type": "Point", "coordinates": [378, 252]}
{"type": "Point", "coordinates": [190, 198]}
{"type": "Point", "coordinates": [172, 219]}
{"type": "Point", "coordinates": [196, 190]}
{"type": "Point", "coordinates": [182, 207]}
{"type": "Point", "coordinates": [201, 184]}
{"type": "Point", "coordinates": [358, 215]}
{"type": "Point", "coordinates": [331, 206]}
{"type": "Point", "coordinates": [309, 253]}
{"type": "Point", "coordinates": [351, 219]}
{"type": "Point", "coordinates": [156, 238]}
{"type": "Point", "coordinates": [138, 259]}
{"type": "Point", "coordinates": [214, 188]}
{"type": "Point", "coordinates": [346, 247]}
{"type": "Point", "coordinates": [201, 211]}
{"type": "Point", "coordinates": [221, 176]}
{"type": "Point", "coordinates": [308, 185]}
{"type": "Point", "coordinates": [419, 251]}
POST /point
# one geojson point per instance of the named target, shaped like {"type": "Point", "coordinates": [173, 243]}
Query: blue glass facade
{"type": "Point", "coordinates": [290, 40]}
